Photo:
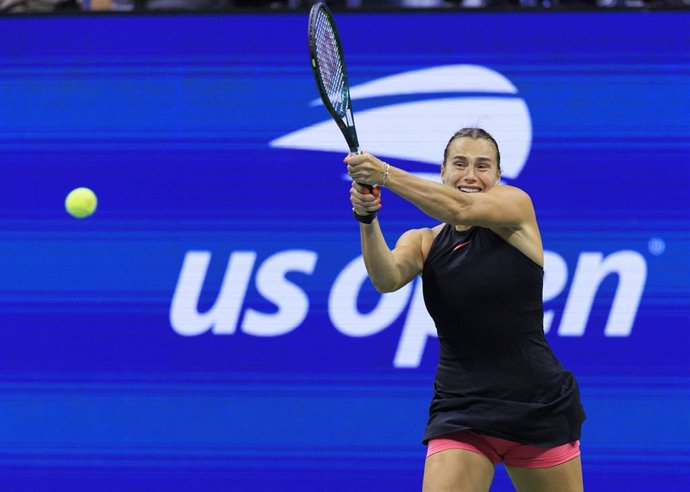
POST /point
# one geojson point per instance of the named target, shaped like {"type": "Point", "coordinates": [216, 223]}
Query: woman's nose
{"type": "Point", "coordinates": [469, 174]}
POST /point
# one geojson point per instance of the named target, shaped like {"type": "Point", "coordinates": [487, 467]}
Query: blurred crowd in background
{"type": "Point", "coordinates": [44, 6]}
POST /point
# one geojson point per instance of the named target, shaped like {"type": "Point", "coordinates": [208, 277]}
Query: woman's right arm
{"type": "Point", "coordinates": [389, 270]}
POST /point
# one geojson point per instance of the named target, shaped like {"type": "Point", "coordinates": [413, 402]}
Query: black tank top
{"type": "Point", "coordinates": [496, 373]}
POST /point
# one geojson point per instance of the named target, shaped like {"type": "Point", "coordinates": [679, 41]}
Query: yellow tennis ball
{"type": "Point", "coordinates": [81, 202]}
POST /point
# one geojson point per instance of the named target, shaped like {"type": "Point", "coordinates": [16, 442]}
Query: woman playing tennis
{"type": "Point", "coordinates": [500, 395]}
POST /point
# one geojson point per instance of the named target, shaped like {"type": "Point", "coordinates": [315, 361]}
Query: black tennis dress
{"type": "Point", "coordinates": [496, 373]}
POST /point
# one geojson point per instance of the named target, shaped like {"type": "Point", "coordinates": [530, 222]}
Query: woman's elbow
{"type": "Point", "coordinates": [457, 213]}
{"type": "Point", "coordinates": [385, 287]}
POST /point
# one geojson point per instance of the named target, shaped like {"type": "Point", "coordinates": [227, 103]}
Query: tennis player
{"type": "Point", "coordinates": [500, 394]}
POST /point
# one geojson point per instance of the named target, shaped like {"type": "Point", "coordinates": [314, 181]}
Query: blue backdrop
{"type": "Point", "coordinates": [211, 325]}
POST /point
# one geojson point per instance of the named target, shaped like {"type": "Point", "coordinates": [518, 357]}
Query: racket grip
{"type": "Point", "coordinates": [358, 151]}
{"type": "Point", "coordinates": [369, 218]}
{"type": "Point", "coordinates": [364, 219]}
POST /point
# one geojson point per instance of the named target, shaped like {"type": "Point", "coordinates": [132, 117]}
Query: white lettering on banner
{"type": "Point", "coordinates": [342, 303]}
{"type": "Point", "coordinates": [555, 279]}
{"type": "Point", "coordinates": [184, 316]}
{"type": "Point", "coordinates": [293, 303]}
{"type": "Point", "coordinates": [591, 270]}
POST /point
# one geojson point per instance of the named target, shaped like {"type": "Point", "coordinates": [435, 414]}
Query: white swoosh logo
{"type": "Point", "coordinates": [419, 130]}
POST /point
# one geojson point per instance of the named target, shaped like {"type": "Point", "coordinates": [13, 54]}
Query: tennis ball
{"type": "Point", "coordinates": [81, 202]}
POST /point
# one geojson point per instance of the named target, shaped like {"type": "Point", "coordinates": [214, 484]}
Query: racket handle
{"type": "Point", "coordinates": [358, 151]}
{"type": "Point", "coordinates": [364, 219]}
{"type": "Point", "coordinates": [369, 218]}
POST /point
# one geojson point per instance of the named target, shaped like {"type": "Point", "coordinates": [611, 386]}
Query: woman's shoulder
{"type": "Point", "coordinates": [427, 236]}
{"type": "Point", "coordinates": [426, 232]}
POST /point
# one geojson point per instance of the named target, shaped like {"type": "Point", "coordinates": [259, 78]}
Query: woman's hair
{"type": "Point", "coordinates": [474, 134]}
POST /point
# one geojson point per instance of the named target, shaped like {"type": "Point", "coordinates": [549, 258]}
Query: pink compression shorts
{"type": "Point", "coordinates": [501, 450]}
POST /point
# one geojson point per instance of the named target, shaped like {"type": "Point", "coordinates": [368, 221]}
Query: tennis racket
{"type": "Point", "coordinates": [328, 64]}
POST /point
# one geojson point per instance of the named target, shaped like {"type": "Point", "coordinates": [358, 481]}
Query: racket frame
{"type": "Point", "coordinates": [346, 122]}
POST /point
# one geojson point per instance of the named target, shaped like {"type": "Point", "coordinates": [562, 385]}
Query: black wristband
{"type": "Point", "coordinates": [364, 219]}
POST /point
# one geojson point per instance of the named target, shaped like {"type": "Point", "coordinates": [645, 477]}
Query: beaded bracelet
{"type": "Point", "coordinates": [385, 174]}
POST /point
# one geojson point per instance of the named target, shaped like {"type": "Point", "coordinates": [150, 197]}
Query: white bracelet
{"type": "Point", "coordinates": [385, 174]}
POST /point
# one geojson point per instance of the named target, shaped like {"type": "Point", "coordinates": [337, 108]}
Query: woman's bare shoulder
{"type": "Point", "coordinates": [425, 236]}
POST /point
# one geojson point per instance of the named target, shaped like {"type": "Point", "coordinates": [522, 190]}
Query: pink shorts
{"type": "Point", "coordinates": [501, 450]}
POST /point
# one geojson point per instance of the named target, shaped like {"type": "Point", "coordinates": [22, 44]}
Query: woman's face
{"type": "Point", "coordinates": [471, 165]}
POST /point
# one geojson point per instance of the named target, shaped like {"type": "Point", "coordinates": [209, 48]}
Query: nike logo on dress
{"type": "Point", "coordinates": [461, 245]}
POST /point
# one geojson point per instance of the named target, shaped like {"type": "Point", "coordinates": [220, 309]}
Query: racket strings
{"type": "Point", "coordinates": [330, 64]}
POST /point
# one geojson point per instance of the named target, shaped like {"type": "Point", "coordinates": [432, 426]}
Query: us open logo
{"type": "Point", "coordinates": [446, 98]}
{"type": "Point", "coordinates": [407, 116]}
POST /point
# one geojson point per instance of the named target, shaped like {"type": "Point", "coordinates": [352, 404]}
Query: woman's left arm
{"type": "Point", "coordinates": [500, 206]}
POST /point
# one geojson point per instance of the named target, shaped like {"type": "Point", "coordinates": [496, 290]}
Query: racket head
{"type": "Point", "coordinates": [328, 65]}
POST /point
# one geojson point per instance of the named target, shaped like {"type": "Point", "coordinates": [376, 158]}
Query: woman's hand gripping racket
{"type": "Point", "coordinates": [328, 64]}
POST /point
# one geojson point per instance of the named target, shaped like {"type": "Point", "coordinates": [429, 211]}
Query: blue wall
{"type": "Point", "coordinates": [210, 326]}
